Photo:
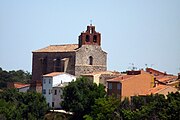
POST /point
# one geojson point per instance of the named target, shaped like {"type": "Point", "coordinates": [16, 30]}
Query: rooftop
{"type": "Point", "coordinates": [58, 48]}
{"type": "Point", "coordinates": [159, 88]}
{"type": "Point", "coordinates": [52, 74]}
{"type": "Point", "coordinates": [20, 85]}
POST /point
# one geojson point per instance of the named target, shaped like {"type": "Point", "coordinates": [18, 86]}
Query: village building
{"type": "Point", "coordinates": [85, 57]}
{"type": "Point", "coordinates": [101, 77]}
{"type": "Point", "coordinates": [21, 87]}
{"type": "Point", "coordinates": [53, 85]}
{"type": "Point", "coordinates": [134, 83]}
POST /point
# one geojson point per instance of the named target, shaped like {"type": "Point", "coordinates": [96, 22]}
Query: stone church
{"type": "Point", "coordinates": [85, 57]}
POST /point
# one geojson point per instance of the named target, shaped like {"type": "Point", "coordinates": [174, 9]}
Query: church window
{"type": "Point", "coordinates": [57, 65]}
{"type": "Point", "coordinates": [43, 64]}
{"type": "Point", "coordinates": [90, 60]}
{"type": "Point", "coordinates": [95, 38]}
{"type": "Point", "coordinates": [87, 38]}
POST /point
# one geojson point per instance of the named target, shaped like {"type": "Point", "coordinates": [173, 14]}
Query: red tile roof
{"type": "Point", "coordinates": [158, 89]}
{"type": "Point", "coordinates": [20, 85]}
{"type": "Point", "coordinates": [52, 74]}
{"type": "Point", "coordinates": [121, 78]}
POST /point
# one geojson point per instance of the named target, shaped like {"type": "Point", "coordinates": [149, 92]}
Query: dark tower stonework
{"type": "Point", "coordinates": [75, 59]}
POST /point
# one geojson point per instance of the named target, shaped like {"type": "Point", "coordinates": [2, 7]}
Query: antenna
{"type": "Point", "coordinates": [91, 22]}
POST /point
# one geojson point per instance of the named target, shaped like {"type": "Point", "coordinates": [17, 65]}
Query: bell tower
{"type": "Point", "coordinates": [90, 37]}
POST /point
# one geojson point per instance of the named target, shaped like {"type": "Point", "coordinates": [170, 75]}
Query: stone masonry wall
{"type": "Point", "coordinates": [83, 66]}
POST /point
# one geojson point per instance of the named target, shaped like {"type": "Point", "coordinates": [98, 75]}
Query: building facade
{"type": "Point", "coordinates": [76, 59]}
{"type": "Point", "coordinates": [52, 85]}
{"type": "Point", "coordinates": [134, 83]}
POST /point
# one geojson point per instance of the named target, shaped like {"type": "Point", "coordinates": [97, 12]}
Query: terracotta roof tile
{"type": "Point", "coordinates": [158, 89]}
{"type": "Point", "coordinates": [21, 85]}
{"type": "Point", "coordinates": [52, 74]}
{"type": "Point", "coordinates": [121, 78]}
{"type": "Point", "coordinates": [59, 48]}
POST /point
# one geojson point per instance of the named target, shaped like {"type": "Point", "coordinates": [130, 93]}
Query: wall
{"type": "Point", "coordinates": [82, 65]}
{"type": "Point", "coordinates": [37, 70]}
{"type": "Point", "coordinates": [136, 85]}
{"type": "Point", "coordinates": [48, 87]}
{"type": "Point", "coordinates": [57, 99]}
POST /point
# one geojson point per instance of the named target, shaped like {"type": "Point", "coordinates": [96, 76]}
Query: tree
{"type": "Point", "coordinates": [80, 95]}
{"type": "Point", "coordinates": [16, 105]}
{"type": "Point", "coordinates": [103, 109]}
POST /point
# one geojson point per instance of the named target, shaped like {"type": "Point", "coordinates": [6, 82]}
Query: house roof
{"type": "Point", "coordinates": [100, 72]}
{"type": "Point", "coordinates": [58, 48]}
{"type": "Point", "coordinates": [166, 78]}
{"type": "Point", "coordinates": [52, 74]}
{"type": "Point", "coordinates": [159, 88]}
{"type": "Point", "coordinates": [20, 85]}
{"type": "Point", "coordinates": [121, 78]}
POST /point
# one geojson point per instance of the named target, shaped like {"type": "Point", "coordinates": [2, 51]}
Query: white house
{"type": "Point", "coordinates": [52, 86]}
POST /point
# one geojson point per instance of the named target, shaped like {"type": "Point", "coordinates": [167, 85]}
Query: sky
{"type": "Point", "coordinates": [133, 32]}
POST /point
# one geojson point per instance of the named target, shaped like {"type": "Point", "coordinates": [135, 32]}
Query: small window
{"type": "Point", "coordinates": [87, 38]}
{"type": "Point", "coordinates": [52, 104]}
{"type": "Point", "coordinates": [49, 91]}
{"type": "Point", "coordinates": [95, 38]}
{"type": "Point", "coordinates": [90, 60]}
{"type": "Point", "coordinates": [118, 86]}
{"type": "Point", "coordinates": [49, 81]}
{"type": "Point", "coordinates": [55, 92]}
{"type": "Point", "coordinates": [110, 86]}
{"type": "Point", "coordinates": [44, 91]}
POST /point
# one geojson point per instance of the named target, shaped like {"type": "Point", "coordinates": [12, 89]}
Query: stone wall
{"type": "Point", "coordinates": [83, 64]}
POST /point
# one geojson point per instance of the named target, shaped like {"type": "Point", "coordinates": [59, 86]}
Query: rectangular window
{"type": "Point", "coordinates": [49, 91]}
{"type": "Point", "coordinates": [44, 81]}
{"type": "Point", "coordinates": [52, 104]}
{"type": "Point", "coordinates": [110, 85]}
{"type": "Point", "coordinates": [118, 86]}
{"type": "Point", "coordinates": [49, 81]}
{"type": "Point", "coordinates": [55, 92]}
{"type": "Point", "coordinates": [44, 91]}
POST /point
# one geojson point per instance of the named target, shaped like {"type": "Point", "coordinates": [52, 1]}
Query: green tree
{"type": "Point", "coordinates": [15, 105]}
{"type": "Point", "coordinates": [80, 95]}
{"type": "Point", "coordinates": [103, 109]}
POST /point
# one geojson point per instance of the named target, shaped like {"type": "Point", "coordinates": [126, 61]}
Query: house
{"type": "Point", "coordinates": [101, 77]}
{"type": "Point", "coordinates": [134, 83]}
{"type": "Point", "coordinates": [52, 87]}
{"type": "Point", "coordinates": [163, 78]}
{"type": "Point", "coordinates": [20, 86]}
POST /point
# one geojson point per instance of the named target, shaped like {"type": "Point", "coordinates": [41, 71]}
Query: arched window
{"type": "Point", "coordinates": [87, 38]}
{"type": "Point", "coordinates": [95, 38]}
{"type": "Point", "coordinates": [90, 60]}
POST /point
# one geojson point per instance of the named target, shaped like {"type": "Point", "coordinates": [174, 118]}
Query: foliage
{"type": "Point", "coordinates": [16, 105]}
{"type": "Point", "coordinates": [150, 107]}
{"type": "Point", "coordinates": [13, 76]}
{"type": "Point", "coordinates": [103, 109]}
{"type": "Point", "coordinates": [80, 95]}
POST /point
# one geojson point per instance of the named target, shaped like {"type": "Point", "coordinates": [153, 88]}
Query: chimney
{"type": "Point", "coordinates": [178, 75]}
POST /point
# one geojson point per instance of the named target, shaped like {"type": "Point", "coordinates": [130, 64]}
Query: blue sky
{"type": "Point", "coordinates": [133, 31]}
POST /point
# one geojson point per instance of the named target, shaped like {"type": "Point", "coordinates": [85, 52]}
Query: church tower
{"type": "Point", "coordinates": [89, 56]}
{"type": "Point", "coordinates": [90, 37]}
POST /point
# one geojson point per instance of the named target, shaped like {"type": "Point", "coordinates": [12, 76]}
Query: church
{"type": "Point", "coordinates": [85, 57]}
